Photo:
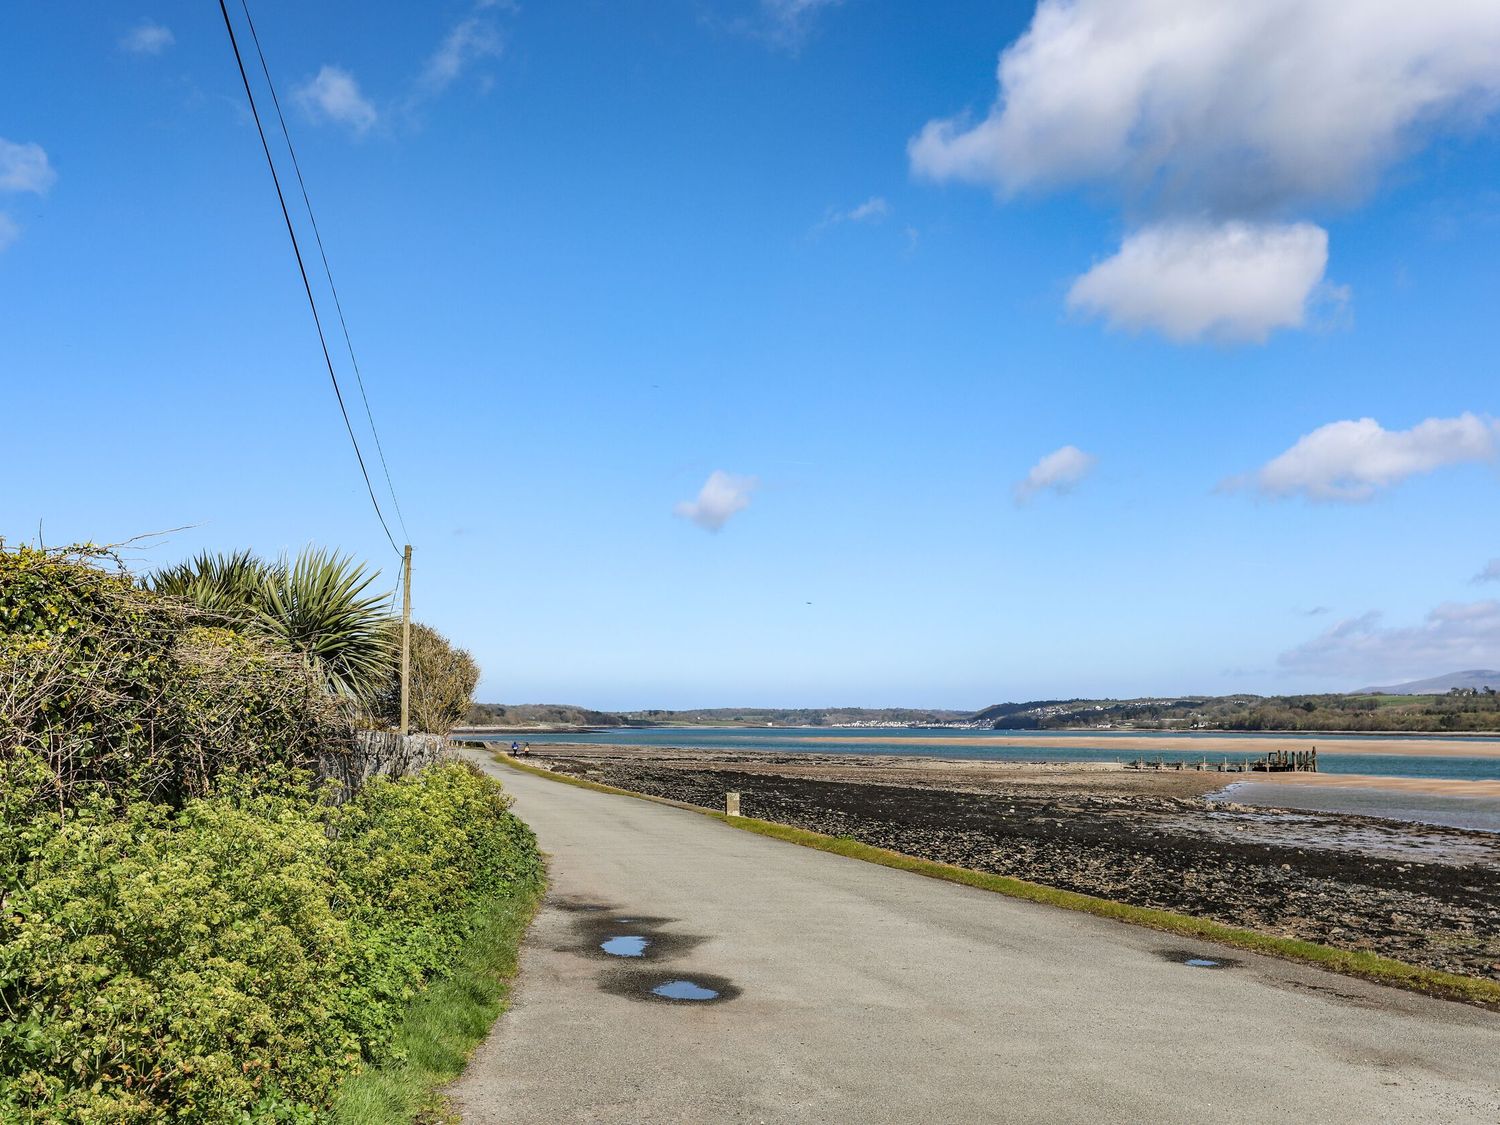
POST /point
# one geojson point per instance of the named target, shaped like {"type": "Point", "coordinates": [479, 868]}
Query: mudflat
{"type": "Point", "coordinates": [1486, 746]}
{"type": "Point", "coordinates": [1438, 786]}
{"type": "Point", "coordinates": [1424, 894]}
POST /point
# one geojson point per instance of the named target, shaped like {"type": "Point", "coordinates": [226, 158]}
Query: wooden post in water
{"type": "Point", "coordinates": [406, 641]}
{"type": "Point", "coordinates": [731, 804]}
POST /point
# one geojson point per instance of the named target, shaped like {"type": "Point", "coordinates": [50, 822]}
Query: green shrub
{"type": "Point", "coordinates": [442, 683]}
{"type": "Point", "coordinates": [112, 685]}
{"type": "Point", "coordinates": [232, 961]}
{"type": "Point", "coordinates": [417, 861]}
{"type": "Point", "coordinates": [318, 605]}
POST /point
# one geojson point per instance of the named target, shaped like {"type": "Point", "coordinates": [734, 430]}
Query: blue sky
{"type": "Point", "coordinates": [594, 254]}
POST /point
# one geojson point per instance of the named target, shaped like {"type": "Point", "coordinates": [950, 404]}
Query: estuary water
{"type": "Point", "coordinates": [1050, 746]}
{"type": "Point", "coordinates": [1479, 813]}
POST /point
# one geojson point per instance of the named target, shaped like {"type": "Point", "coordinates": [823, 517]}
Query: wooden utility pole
{"type": "Point", "coordinates": [406, 641]}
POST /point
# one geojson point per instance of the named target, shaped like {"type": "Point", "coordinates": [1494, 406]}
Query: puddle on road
{"type": "Point", "coordinates": [608, 932]}
{"type": "Point", "coordinates": [668, 986]}
{"type": "Point", "coordinates": [684, 990]}
{"type": "Point", "coordinates": [626, 945]}
{"type": "Point", "coordinates": [614, 934]}
{"type": "Point", "coordinates": [1195, 960]}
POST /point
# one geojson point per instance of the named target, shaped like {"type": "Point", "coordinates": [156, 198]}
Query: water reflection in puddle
{"type": "Point", "coordinates": [664, 986]}
{"type": "Point", "coordinates": [1196, 960]}
{"type": "Point", "coordinates": [684, 990]}
{"type": "Point", "coordinates": [622, 933]}
{"type": "Point", "coordinates": [626, 945]}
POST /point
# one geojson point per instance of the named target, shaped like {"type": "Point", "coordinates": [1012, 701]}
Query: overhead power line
{"type": "Point", "coordinates": [327, 270]}
{"type": "Point", "coordinates": [302, 269]}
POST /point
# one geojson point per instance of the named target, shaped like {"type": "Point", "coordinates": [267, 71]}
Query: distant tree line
{"type": "Point", "coordinates": [1463, 709]}
{"type": "Point", "coordinates": [562, 714]}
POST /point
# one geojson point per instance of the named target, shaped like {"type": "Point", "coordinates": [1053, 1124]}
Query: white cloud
{"type": "Point", "coordinates": [1453, 636]}
{"type": "Point", "coordinates": [1232, 281]}
{"type": "Point", "coordinates": [873, 210]}
{"type": "Point", "coordinates": [25, 167]}
{"type": "Point", "coordinates": [1490, 573]}
{"type": "Point", "coordinates": [1057, 472]}
{"type": "Point", "coordinates": [334, 96]}
{"type": "Point", "coordinates": [721, 496]}
{"type": "Point", "coordinates": [147, 38]}
{"type": "Point", "coordinates": [1223, 104]}
{"type": "Point", "coordinates": [469, 40]}
{"type": "Point", "coordinates": [1351, 460]}
{"type": "Point", "coordinates": [789, 20]}
{"type": "Point", "coordinates": [1198, 112]}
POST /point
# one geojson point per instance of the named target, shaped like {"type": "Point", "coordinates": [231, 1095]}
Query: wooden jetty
{"type": "Point", "coordinates": [1288, 761]}
{"type": "Point", "coordinates": [1274, 761]}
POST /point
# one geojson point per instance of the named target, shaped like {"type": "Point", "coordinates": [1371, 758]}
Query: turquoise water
{"type": "Point", "coordinates": [1480, 813]}
{"type": "Point", "coordinates": [826, 740]}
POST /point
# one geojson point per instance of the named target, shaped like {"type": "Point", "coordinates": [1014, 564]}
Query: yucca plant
{"type": "Point", "coordinates": [225, 586]}
{"type": "Point", "coordinates": [319, 605]}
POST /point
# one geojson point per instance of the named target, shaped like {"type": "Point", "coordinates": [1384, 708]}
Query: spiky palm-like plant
{"type": "Point", "coordinates": [226, 585]}
{"type": "Point", "coordinates": [319, 605]}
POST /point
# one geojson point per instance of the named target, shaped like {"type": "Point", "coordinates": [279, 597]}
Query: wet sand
{"type": "Point", "coordinates": [1436, 786]}
{"type": "Point", "coordinates": [1425, 894]}
{"type": "Point", "coordinates": [1244, 744]}
{"type": "Point", "coordinates": [1458, 804]}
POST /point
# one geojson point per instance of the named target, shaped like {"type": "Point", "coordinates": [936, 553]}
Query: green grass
{"type": "Point", "coordinates": [1355, 963]}
{"type": "Point", "coordinates": [443, 1025]}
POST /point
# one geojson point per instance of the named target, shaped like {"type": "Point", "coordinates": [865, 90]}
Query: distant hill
{"type": "Point", "coordinates": [800, 716]}
{"type": "Point", "coordinates": [1473, 680]}
{"type": "Point", "coordinates": [1424, 705]}
{"type": "Point", "coordinates": [522, 715]}
{"type": "Point", "coordinates": [1000, 712]}
{"type": "Point", "coordinates": [1469, 709]}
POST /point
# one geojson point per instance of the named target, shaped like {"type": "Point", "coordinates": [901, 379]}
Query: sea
{"type": "Point", "coordinates": [1482, 813]}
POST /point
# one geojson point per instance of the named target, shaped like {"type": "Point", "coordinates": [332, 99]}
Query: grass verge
{"type": "Point", "coordinates": [444, 1024]}
{"type": "Point", "coordinates": [1350, 962]}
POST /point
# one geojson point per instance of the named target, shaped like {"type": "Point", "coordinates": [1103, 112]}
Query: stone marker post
{"type": "Point", "coordinates": [731, 804]}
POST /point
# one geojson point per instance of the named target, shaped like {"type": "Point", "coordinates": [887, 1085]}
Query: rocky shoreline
{"type": "Point", "coordinates": [1425, 895]}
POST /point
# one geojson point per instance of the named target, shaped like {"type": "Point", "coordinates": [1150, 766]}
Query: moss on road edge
{"type": "Point", "coordinates": [1354, 963]}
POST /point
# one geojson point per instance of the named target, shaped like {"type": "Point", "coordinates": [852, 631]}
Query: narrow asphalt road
{"type": "Point", "coordinates": [854, 993]}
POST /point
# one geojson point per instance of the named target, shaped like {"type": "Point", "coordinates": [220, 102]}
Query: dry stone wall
{"type": "Point", "coordinates": [377, 753]}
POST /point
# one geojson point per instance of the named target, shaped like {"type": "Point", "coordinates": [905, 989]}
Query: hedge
{"type": "Point", "coordinates": [235, 959]}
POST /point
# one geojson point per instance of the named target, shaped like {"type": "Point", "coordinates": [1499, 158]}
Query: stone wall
{"type": "Point", "coordinates": [378, 753]}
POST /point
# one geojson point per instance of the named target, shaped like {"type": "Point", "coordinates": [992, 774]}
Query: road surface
{"type": "Point", "coordinates": [855, 993]}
